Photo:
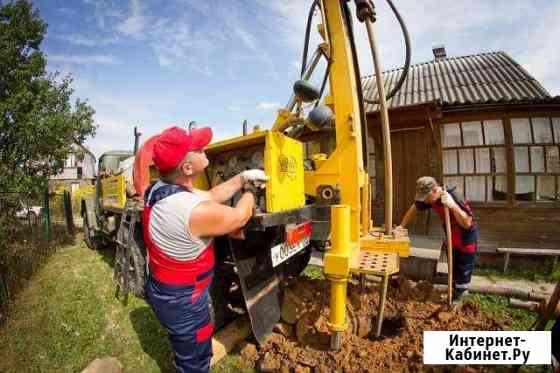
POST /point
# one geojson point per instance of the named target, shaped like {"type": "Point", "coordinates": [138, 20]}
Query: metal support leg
{"type": "Point", "coordinates": [362, 282]}
{"type": "Point", "coordinates": [506, 262]}
{"type": "Point", "coordinates": [382, 297]}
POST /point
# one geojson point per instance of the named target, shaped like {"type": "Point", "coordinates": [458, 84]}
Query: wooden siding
{"type": "Point", "coordinates": [525, 224]}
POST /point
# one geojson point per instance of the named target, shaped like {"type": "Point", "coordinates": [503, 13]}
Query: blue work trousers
{"type": "Point", "coordinates": [184, 312]}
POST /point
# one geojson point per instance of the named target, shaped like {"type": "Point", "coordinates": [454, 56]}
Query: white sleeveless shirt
{"type": "Point", "coordinates": [169, 225]}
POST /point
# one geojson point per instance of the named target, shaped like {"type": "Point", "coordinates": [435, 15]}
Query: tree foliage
{"type": "Point", "coordinates": [38, 122]}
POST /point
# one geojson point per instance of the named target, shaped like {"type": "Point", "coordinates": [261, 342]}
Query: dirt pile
{"type": "Point", "coordinates": [410, 309]}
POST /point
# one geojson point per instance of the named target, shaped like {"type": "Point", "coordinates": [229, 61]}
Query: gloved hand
{"type": "Point", "coordinates": [448, 200]}
{"type": "Point", "coordinates": [257, 177]}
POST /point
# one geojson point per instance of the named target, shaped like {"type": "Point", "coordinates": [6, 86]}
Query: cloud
{"type": "Point", "coordinates": [177, 42]}
{"type": "Point", "coordinates": [87, 40]}
{"type": "Point", "coordinates": [67, 11]}
{"type": "Point", "coordinates": [104, 11]}
{"type": "Point", "coordinates": [134, 24]}
{"type": "Point", "coordinates": [265, 105]}
{"type": "Point", "coordinates": [539, 52]}
{"type": "Point", "coordinates": [95, 59]}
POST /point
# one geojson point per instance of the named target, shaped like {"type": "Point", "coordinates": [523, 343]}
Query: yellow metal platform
{"type": "Point", "coordinates": [375, 263]}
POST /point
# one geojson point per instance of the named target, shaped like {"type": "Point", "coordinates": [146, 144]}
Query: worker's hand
{"type": "Point", "coordinates": [255, 176]}
{"type": "Point", "coordinates": [448, 200]}
{"type": "Point", "coordinates": [399, 227]}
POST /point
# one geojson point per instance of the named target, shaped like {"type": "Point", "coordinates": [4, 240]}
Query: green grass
{"type": "Point", "coordinates": [494, 273]}
{"type": "Point", "coordinates": [313, 272]}
{"type": "Point", "coordinates": [498, 307]}
{"type": "Point", "coordinates": [68, 316]}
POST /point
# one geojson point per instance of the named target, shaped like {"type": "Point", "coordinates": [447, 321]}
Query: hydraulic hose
{"type": "Point", "coordinates": [385, 131]}
{"type": "Point", "coordinates": [348, 18]}
{"type": "Point", "coordinates": [324, 83]}
{"type": "Point", "coordinates": [407, 56]}
{"type": "Point", "coordinates": [306, 42]}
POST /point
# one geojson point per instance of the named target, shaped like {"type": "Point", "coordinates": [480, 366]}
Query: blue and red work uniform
{"type": "Point", "coordinates": [177, 291]}
{"type": "Point", "coordinates": [464, 241]}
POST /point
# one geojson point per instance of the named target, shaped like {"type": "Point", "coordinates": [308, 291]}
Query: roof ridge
{"type": "Point", "coordinates": [486, 77]}
{"type": "Point", "coordinates": [445, 59]}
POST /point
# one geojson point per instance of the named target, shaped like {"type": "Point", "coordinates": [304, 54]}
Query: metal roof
{"type": "Point", "coordinates": [486, 78]}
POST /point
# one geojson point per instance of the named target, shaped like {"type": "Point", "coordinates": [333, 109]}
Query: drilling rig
{"type": "Point", "coordinates": [318, 195]}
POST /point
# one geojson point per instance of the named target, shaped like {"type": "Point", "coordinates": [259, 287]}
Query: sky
{"type": "Point", "coordinates": [156, 63]}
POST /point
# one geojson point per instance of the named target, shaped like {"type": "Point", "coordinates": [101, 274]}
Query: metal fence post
{"type": "Point", "coordinates": [68, 212]}
{"type": "Point", "coordinates": [47, 216]}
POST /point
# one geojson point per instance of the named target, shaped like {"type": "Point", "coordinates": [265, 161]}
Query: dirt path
{"type": "Point", "coordinates": [303, 345]}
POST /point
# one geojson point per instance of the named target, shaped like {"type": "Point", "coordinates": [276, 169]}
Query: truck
{"type": "Point", "coordinates": [314, 155]}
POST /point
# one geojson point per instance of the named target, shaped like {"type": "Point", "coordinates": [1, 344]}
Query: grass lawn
{"type": "Point", "coordinates": [69, 316]}
{"type": "Point", "coordinates": [546, 274]}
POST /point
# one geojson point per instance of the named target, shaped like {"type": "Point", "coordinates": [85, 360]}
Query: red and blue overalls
{"type": "Point", "coordinates": [464, 241]}
{"type": "Point", "coordinates": [177, 291]}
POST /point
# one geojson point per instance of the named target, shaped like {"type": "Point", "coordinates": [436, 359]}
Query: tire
{"type": "Point", "coordinates": [135, 255]}
{"type": "Point", "coordinates": [88, 236]}
{"type": "Point", "coordinates": [218, 294]}
{"type": "Point", "coordinates": [136, 270]}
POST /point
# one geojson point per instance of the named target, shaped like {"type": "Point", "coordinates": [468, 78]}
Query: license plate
{"type": "Point", "coordinates": [297, 238]}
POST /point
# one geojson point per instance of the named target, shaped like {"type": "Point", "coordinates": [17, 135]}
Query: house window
{"type": "Point", "coordinates": [474, 159]}
{"type": "Point", "coordinates": [536, 143]}
{"type": "Point", "coordinates": [70, 161]}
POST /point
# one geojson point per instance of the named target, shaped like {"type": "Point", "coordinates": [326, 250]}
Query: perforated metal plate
{"type": "Point", "coordinates": [376, 263]}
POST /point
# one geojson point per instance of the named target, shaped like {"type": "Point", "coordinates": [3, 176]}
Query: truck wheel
{"type": "Point", "coordinates": [136, 270]}
{"type": "Point", "coordinates": [218, 292]}
{"type": "Point", "coordinates": [90, 240]}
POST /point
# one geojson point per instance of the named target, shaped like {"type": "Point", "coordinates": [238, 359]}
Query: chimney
{"type": "Point", "coordinates": [439, 52]}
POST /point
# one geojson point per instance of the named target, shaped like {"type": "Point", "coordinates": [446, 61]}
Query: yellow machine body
{"type": "Point", "coordinates": [281, 158]}
{"type": "Point", "coordinates": [113, 192]}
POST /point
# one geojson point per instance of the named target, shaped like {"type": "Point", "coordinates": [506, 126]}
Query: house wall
{"type": "Point", "coordinates": [502, 223]}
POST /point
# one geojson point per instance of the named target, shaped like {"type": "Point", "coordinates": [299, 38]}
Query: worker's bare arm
{"type": "Point", "coordinates": [409, 216]}
{"type": "Point", "coordinates": [210, 218]}
{"type": "Point", "coordinates": [464, 219]}
{"type": "Point", "coordinates": [226, 190]}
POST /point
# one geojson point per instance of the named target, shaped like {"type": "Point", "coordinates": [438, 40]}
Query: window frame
{"type": "Point", "coordinates": [474, 149]}
{"type": "Point", "coordinates": [535, 175]}
{"type": "Point", "coordinates": [506, 117]}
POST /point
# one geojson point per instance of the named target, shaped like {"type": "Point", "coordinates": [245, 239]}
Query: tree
{"type": "Point", "coordinates": [38, 122]}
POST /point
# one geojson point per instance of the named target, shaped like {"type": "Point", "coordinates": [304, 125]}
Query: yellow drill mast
{"type": "Point", "coordinates": [356, 247]}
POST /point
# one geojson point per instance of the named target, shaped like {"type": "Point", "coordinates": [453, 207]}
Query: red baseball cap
{"type": "Point", "coordinates": [173, 144]}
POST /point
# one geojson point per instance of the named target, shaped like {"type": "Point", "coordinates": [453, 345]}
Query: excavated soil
{"type": "Point", "coordinates": [301, 342]}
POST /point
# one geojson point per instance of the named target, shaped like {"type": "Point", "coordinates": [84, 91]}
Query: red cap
{"type": "Point", "coordinates": [173, 144]}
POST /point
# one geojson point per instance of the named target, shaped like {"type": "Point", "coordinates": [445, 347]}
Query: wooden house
{"type": "Point", "coordinates": [480, 123]}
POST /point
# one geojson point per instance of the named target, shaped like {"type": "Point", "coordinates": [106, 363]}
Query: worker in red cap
{"type": "Point", "coordinates": [179, 223]}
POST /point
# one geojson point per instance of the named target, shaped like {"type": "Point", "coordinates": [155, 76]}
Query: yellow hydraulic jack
{"type": "Point", "coordinates": [337, 270]}
{"type": "Point", "coordinates": [345, 258]}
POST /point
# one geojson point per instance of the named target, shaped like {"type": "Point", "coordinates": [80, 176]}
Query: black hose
{"type": "Point", "coordinates": [324, 83]}
{"type": "Point", "coordinates": [407, 58]}
{"type": "Point", "coordinates": [348, 19]}
{"type": "Point", "coordinates": [306, 42]}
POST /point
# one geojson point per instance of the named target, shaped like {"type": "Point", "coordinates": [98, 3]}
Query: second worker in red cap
{"type": "Point", "coordinates": [179, 224]}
